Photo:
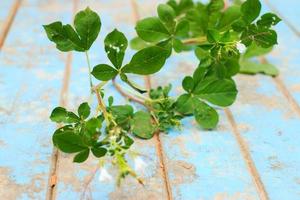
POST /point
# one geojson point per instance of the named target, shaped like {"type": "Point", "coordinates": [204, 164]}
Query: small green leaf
{"type": "Point", "coordinates": [230, 15]}
{"type": "Point", "coordinates": [166, 13]}
{"type": "Point", "coordinates": [250, 67]}
{"type": "Point", "coordinates": [82, 156]}
{"type": "Point", "coordinates": [87, 24]}
{"type": "Point", "coordinates": [250, 10]}
{"type": "Point", "coordinates": [115, 46]}
{"type": "Point", "coordinates": [99, 152]}
{"type": "Point", "coordinates": [188, 84]}
{"type": "Point", "coordinates": [93, 124]}
{"type": "Point", "coordinates": [84, 110]}
{"type": "Point", "coordinates": [182, 29]}
{"type": "Point", "coordinates": [263, 37]}
{"type": "Point", "coordinates": [142, 126]}
{"type": "Point", "coordinates": [206, 116]}
{"type": "Point", "coordinates": [213, 36]}
{"type": "Point", "coordinates": [122, 113]}
{"type": "Point", "coordinates": [151, 30]}
{"type": "Point", "coordinates": [184, 104]}
{"type": "Point", "coordinates": [68, 142]}
{"type": "Point", "coordinates": [219, 92]}
{"type": "Point", "coordinates": [147, 61]}
{"type": "Point", "coordinates": [201, 53]}
{"type": "Point", "coordinates": [59, 115]}
{"type": "Point", "coordinates": [137, 44]}
{"type": "Point", "coordinates": [104, 72]}
{"type": "Point", "coordinates": [58, 34]}
{"type": "Point", "coordinates": [267, 20]}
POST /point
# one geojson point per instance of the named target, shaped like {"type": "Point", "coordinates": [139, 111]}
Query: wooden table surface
{"type": "Point", "coordinates": [253, 154]}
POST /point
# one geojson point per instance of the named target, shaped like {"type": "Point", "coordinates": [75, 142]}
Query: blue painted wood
{"type": "Point", "coordinates": [270, 127]}
{"type": "Point", "coordinates": [73, 177]}
{"type": "Point", "coordinates": [30, 76]}
{"type": "Point", "coordinates": [286, 54]}
{"type": "Point", "coordinates": [5, 7]}
{"type": "Point", "coordinates": [202, 164]}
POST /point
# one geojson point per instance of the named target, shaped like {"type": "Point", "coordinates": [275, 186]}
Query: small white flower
{"type": "Point", "coordinates": [139, 164]}
{"type": "Point", "coordinates": [241, 47]}
{"type": "Point", "coordinates": [104, 175]}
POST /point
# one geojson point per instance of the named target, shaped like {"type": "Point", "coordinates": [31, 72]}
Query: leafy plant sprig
{"type": "Point", "coordinates": [212, 32]}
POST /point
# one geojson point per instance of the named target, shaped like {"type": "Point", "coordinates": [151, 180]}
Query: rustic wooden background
{"type": "Point", "coordinates": [253, 154]}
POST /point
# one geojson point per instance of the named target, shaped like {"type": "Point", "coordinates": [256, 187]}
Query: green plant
{"type": "Point", "coordinates": [213, 32]}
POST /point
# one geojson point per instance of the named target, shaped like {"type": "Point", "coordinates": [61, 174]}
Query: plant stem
{"type": "Point", "coordinates": [128, 96]}
{"type": "Point", "coordinates": [102, 106]}
{"type": "Point", "coordinates": [90, 69]}
{"type": "Point", "coordinates": [198, 40]}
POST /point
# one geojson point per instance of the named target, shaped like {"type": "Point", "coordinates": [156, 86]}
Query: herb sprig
{"type": "Point", "coordinates": [216, 35]}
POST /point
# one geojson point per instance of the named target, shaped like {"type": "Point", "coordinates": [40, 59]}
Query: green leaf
{"type": "Point", "coordinates": [68, 142]}
{"type": "Point", "coordinates": [122, 113]}
{"type": "Point", "coordinates": [253, 50]}
{"type": "Point", "coordinates": [263, 37]}
{"type": "Point", "coordinates": [267, 20]}
{"type": "Point", "coordinates": [93, 124]}
{"type": "Point", "coordinates": [115, 47]}
{"type": "Point", "coordinates": [147, 61]}
{"type": "Point", "coordinates": [104, 72]}
{"type": "Point", "coordinates": [250, 10]}
{"type": "Point", "coordinates": [99, 151]}
{"type": "Point", "coordinates": [213, 36]}
{"type": "Point", "coordinates": [84, 110]}
{"type": "Point", "coordinates": [166, 13]}
{"type": "Point", "coordinates": [82, 156]}
{"type": "Point", "coordinates": [229, 17]}
{"type": "Point", "coordinates": [215, 6]}
{"type": "Point", "coordinates": [201, 53]}
{"type": "Point", "coordinates": [151, 30]}
{"type": "Point", "coordinates": [249, 67]}
{"type": "Point", "coordinates": [59, 115]}
{"type": "Point", "coordinates": [188, 84]}
{"type": "Point", "coordinates": [59, 34]}
{"type": "Point", "coordinates": [206, 116]}
{"type": "Point", "coordinates": [137, 44]}
{"type": "Point", "coordinates": [219, 92]}
{"type": "Point", "coordinates": [182, 29]}
{"type": "Point", "coordinates": [232, 67]}
{"type": "Point", "coordinates": [142, 126]}
{"type": "Point", "coordinates": [87, 24]}
{"type": "Point", "coordinates": [184, 104]}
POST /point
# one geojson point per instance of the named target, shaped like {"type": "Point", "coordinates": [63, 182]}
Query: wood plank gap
{"type": "Point", "coordinates": [52, 180]}
{"type": "Point", "coordinates": [159, 147]}
{"type": "Point", "coordinates": [9, 21]}
{"type": "Point", "coordinates": [247, 157]}
{"type": "Point", "coordinates": [283, 89]}
{"type": "Point", "coordinates": [285, 20]}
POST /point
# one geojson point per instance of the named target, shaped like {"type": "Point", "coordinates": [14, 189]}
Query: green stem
{"type": "Point", "coordinates": [90, 69]}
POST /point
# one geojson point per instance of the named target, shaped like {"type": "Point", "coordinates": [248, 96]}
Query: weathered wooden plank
{"type": "Point", "coordinates": [31, 73]}
{"type": "Point", "coordinates": [286, 54]}
{"type": "Point", "coordinates": [202, 164]}
{"type": "Point", "coordinates": [72, 177]}
{"type": "Point", "coordinates": [8, 11]}
{"type": "Point", "coordinates": [270, 128]}
{"type": "Point", "coordinates": [4, 12]}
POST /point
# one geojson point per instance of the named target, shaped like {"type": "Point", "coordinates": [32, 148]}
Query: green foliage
{"type": "Point", "coordinates": [87, 27]}
{"type": "Point", "coordinates": [225, 41]}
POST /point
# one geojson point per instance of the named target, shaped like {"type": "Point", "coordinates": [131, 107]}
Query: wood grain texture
{"type": "Point", "coordinates": [31, 73]}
